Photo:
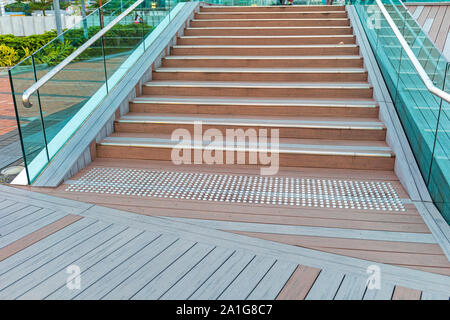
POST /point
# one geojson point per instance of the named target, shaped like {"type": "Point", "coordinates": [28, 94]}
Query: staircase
{"type": "Point", "coordinates": [293, 68]}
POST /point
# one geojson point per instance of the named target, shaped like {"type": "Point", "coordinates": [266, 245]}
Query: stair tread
{"type": "Point", "coordinates": [282, 19]}
{"type": "Point", "coordinates": [236, 84]}
{"type": "Point", "coordinates": [271, 37]}
{"type": "Point", "coordinates": [267, 46]}
{"type": "Point", "coordinates": [281, 27]}
{"type": "Point", "coordinates": [288, 145]}
{"type": "Point", "coordinates": [269, 12]}
{"type": "Point", "coordinates": [263, 70]}
{"type": "Point", "coordinates": [324, 57]}
{"type": "Point", "coordinates": [369, 103]}
{"type": "Point", "coordinates": [272, 121]}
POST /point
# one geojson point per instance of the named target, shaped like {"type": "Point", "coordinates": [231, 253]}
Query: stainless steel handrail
{"type": "Point", "coordinates": [420, 70]}
{"type": "Point", "coordinates": [38, 84]}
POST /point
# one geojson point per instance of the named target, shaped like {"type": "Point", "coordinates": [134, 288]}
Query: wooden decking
{"type": "Point", "coordinates": [435, 21]}
{"type": "Point", "coordinates": [399, 238]}
{"type": "Point", "coordinates": [122, 255]}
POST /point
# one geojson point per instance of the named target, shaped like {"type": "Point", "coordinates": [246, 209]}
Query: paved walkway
{"type": "Point", "coordinates": [10, 150]}
{"type": "Point", "coordinates": [123, 255]}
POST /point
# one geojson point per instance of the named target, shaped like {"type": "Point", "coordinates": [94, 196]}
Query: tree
{"type": "Point", "coordinates": [41, 5]}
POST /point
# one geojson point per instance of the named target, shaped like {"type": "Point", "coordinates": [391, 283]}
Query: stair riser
{"type": "Point", "coordinates": [266, 41]}
{"type": "Point", "coordinates": [265, 63]}
{"type": "Point", "coordinates": [272, 8]}
{"type": "Point", "coordinates": [269, 23]}
{"type": "Point", "coordinates": [285, 160]}
{"type": "Point", "coordinates": [294, 111]}
{"type": "Point", "coordinates": [299, 133]}
{"type": "Point", "coordinates": [242, 76]}
{"type": "Point", "coordinates": [265, 51]}
{"type": "Point", "coordinates": [268, 32]}
{"type": "Point", "coordinates": [260, 92]}
{"type": "Point", "coordinates": [262, 15]}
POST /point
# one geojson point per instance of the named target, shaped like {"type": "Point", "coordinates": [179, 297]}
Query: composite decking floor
{"type": "Point", "coordinates": [390, 231]}
{"type": "Point", "coordinates": [123, 255]}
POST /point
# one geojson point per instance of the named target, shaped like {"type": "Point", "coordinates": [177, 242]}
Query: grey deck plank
{"type": "Point", "coordinates": [149, 270]}
{"type": "Point", "coordinates": [44, 200]}
{"type": "Point", "coordinates": [92, 275]}
{"type": "Point", "coordinates": [272, 283]}
{"type": "Point", "coordinates": [311, 231]}
{"type": "Point", "coordinates": [19, 214]}
{"type": "Point", "coordinates": [248, 279]}
{"type": "Point", "coordinates": [120, 274]}
{"type": "Point", "coordinates": [198, 275]}
{"type": "Point", "coordinates": [43, 245]}
{"type": "Point", "coordinates": [384, 293]}
{"type": "Point", "coordinates": [14, 207]}
{"type": "Point", "coordinates": [326, 285]}
{"type": "Point", "coordinates": [176, 271]}
{"type": "Point", "coordinates": [58, 280]}
{"type": "Point", "coordinates": [24, 221]}
{"type": "Point", "coordinates": [352, 288]}
{"type": "Point", "coordinates": [414, 279]}
{"type": "Point", "coordinates": [46, 256]}
{"type": "Point", "coordinates": [4, 204]}
{"type": "Point", "coordinates": [219, 281]}
{"type": "Point", "coordinates": [20, 233]}
{"type": "Point", "coordinates": [33, 278]}
{"type": "Point", "coordinates": [428, 295]}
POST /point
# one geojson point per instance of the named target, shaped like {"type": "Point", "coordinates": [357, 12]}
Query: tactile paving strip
{"type": "Point", "coordinates": [303, 192]}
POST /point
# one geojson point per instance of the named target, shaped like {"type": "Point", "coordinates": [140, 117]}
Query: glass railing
{"type": "Point", "coordinates": [425, 117]}
{"type": "Point", "coordinates": [63, 103]}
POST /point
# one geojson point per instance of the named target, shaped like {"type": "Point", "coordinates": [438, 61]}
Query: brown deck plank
{"type": "Point", "coordinates": [444, 29]}
{"type": "Point", "coordinates": [37, 235]}
{"type": "Point", "coordinates": [299, 284]}
{"type": "Point", "coordinates": [438, 20]}
{"type": "Point", "coordinates": [208, 210]}
{"type": "Point", "coordinates": [380, 251]}
{"type": "Point", "coordinates": [402, 293]}
{"type": "Point", "coordinates": [423, 15]}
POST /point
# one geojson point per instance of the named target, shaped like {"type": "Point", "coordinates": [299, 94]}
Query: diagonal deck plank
{"type": "Point", "coordinates": [95, 273]}
{"type": "Point", "coordinates": [125, 270]}
{"type": "Point", "coordinates": [326, 285]}
{"type": "Point", "coordinates": [273, 282]}
{"type": "Point", "coordinates": [172, 274]}
{"type": "Point", "coordinates": [248, 279]}
{"type": "Point", "coordinates": [184, 288]}
{"type": "Point", "coordinates": [51, 284]}
{"type": "Point", "coordinates": [221, 279]}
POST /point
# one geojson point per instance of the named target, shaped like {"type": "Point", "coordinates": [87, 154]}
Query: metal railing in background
{"type": "Point", "coordinates": [62, 83]}
{"type": "Point", "coordinates": [417, 76]}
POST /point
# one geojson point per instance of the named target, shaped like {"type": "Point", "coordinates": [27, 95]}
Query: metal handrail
{"type": "Point", "coordinates": [420, 70]}
{"type": "Point", "coordinates": [38, 84]}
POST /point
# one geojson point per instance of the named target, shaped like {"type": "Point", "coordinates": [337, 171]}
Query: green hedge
{"type": "Point", "coordinates": [120, 38]}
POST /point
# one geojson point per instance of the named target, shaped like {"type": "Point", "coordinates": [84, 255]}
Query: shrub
{"type": "Point", "coordinates": [121, 37]}
{"type": "Point", "coordinates": [8, 56]}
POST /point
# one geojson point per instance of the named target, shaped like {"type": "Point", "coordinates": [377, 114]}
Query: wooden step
{"type": "Point", "coordinates": [300, 127]}
{"type": "Point", "coordinates": [262, 74]}
{"type": "Point", "coordinates": [260, 89]}
{"type": "Point", "coordinates": [272, 15]}
{"type": "Point", "coordinates": [373, 155]}
{"type": "Point", "coordinates": [264, 50]}
{"type": "Point", "coordinates": [213, 61]}
{"type": "Point", "coordinates": [269, 22]}
{"type": "Point", "coordinates": [256, 106]}
{"type": "Point", "coordinates": [270, 8]}
{"type": "Point", "coordinates": [268, 31]}
{"type": "Point", "coordinates": [266, 40]}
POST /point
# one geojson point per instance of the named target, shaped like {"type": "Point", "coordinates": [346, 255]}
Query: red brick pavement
{"type": "Point", "coordinates": [6, 107]}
